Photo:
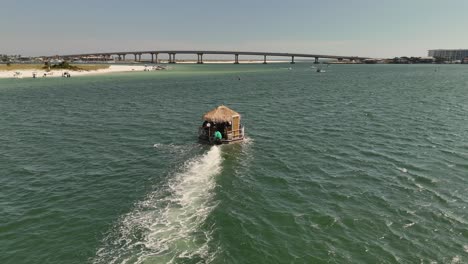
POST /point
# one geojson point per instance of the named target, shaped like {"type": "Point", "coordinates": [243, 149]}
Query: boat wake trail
{"type": "Point", "coordinates": [166, 226]}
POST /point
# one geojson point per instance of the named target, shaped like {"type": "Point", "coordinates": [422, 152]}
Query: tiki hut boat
{"type": "Point", "coordinates": [221, 126]}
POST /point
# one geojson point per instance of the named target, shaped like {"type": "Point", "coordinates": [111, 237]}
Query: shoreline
{"type": "Point", "coordinates": [227, 62]}
{"type": "Point", "coordinates": [58, 73]}
{"type": "Point", "coordinates": [113, 68]}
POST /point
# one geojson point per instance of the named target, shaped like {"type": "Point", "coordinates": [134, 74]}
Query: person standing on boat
{"type": "Point", "coordinates": [217, 136]}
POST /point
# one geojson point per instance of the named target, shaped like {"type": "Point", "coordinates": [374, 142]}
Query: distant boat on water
{"type": "Point", "coordinates": [155, 68]}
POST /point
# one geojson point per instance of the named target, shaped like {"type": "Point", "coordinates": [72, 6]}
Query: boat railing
{"type": "Point", "coordinates": [234, 134]}
{"type": "Point", "coordinates": [230, 135]}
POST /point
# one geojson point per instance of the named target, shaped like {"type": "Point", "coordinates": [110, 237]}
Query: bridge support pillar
{"type": "Point", "coordinates": [139, 57]}
{"type": "Point", "coordinates": [172, 58]}
{"type": "Point", "coordinates": [264, 59]}
{"type": "Point", "coordinates": [292, 60]}
{"type": "Point", "coordinates": [236, 58]}
{"type": "Point", "coordinates": [156, 58]}
{"type": "Point", "coordinates": [316, 60]}
{"type": "Point", "coordinates": [135, 56]}
{"type": "Point", "coordinates": [152, 57]}
{"type": "Point", "coordinates": [200, 58]}
{"type": "Point", "coordinates": [120, 58]}
{"type": "Point", "coordinates": [123, 56]}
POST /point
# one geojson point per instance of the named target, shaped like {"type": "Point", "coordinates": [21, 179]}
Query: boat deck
{"type": "Point", "coordinates": [229, 138]}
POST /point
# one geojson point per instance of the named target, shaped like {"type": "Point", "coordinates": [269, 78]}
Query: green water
{"type": "Point", "coordinates": [361, 164]}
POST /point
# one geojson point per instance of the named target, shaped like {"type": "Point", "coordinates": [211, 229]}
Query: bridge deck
{"type": "Point", "coordinates": [254, 53]}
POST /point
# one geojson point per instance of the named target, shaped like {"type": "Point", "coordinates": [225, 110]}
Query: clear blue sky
{"type": "Point", "coordinates": [374, 28]}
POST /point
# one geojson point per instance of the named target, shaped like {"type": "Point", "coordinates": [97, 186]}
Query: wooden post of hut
{"type": "Point", "coordinates": [235, 126]}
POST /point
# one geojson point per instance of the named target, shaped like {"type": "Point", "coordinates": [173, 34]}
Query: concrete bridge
{"type": "Point", "coordinates": [172, 55]}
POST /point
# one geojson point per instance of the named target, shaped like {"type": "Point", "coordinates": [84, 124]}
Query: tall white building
{"type": "Point", "coordinates": [449, 54]}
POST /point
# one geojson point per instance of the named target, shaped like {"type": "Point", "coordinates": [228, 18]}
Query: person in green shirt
{"type": "Point", "coordinates": [217, 136]}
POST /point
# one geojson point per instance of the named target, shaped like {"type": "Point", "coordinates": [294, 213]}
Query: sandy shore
{"type": "Point", "coordinates": [112, 68]}
{"type": "Point", "coordinates": [58, 73]}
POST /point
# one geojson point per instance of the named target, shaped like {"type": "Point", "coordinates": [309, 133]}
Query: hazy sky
{"type": "Point", "coordinates": [375, 28]}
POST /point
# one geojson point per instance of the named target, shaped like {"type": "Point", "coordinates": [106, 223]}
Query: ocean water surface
{"type": "Point", "coordinates": [360, 164]}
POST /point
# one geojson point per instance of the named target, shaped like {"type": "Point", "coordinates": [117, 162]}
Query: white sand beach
{"type": "Point", "coordinates": [58, 73]}
{"type": "Point", "coordinates": [28, 73]}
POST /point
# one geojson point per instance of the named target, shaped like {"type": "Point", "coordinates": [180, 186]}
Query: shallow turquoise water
{"type": "Point", "coordinates": [361, 164]}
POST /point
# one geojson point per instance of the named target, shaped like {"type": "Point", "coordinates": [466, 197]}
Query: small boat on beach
{"type": "Point", "coordinates": [221, 125]}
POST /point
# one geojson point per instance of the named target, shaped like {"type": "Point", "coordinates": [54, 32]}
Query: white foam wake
{"type": "Point", "coordinates": [166, 226]}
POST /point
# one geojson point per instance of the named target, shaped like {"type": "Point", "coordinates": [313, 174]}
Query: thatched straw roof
{"type": "Point", "coordinates": [220, 114]}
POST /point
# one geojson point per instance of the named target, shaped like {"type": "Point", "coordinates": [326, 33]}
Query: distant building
{"type": "Point", "coordinates": [24, 59]}
{"type": "Point", "coordinates": [373, 61]}
{"type": "Point", "coordinates": [426, 60]}
{"type": "Point", "coordinates": [402, 60]}
{"type": "Point", "coordinates": [449, 54]}
{"type": "Point", "coordinates": [95, 58]}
